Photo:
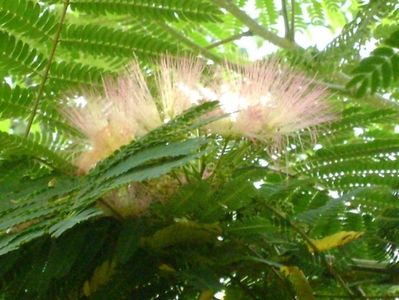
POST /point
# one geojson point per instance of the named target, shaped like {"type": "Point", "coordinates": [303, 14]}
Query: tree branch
{"type": "Point", "coordinates": [292, 35]}
{"type": "Point", "coordinates": [230, 39]}
{"type": "Point", "coordinates": [205, 52]}
{"type": "Point", "coordinates": [293, 226]}
{"type": "Point", "coordinates": [309, 241]}
{"type": "Point", "coordinates": [254, 27]}
{"type": "Point", "coordinates": [47, 69]}
{"type": "Point", "coordinates": [285, 17]}
{"type": "Point", "coordinates": [287, 44]}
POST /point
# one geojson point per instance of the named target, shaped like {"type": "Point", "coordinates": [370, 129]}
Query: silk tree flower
{"type": "Point", "coordinates": [264, 101]}
{"type": "Point", "coordinates": [125, 112]}
{"type": "Point", "coordinates": [283, 102]}
{"type": "Point", "coordinates": [179, 82]}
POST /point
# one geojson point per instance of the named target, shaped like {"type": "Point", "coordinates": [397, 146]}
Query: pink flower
{"type": "Point", "coordinates": [178, 82]}
{"type": "Point", "coordinates": [265, 101]}
{"type": "Point", "coordinates": [126, 111]}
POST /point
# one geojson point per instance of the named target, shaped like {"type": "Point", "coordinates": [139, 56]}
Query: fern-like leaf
{"type": "Point", "coordinates": [199, 10]}
{"type": "Point", "coordinates": [106, 41]}
{"type": "Point", "coordinates": [28, 18]}
{"type": "Point", "coordinates": [379, 70]}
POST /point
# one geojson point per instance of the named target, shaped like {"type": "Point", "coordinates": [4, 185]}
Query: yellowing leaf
{"type": "Point", "coordinates": [206, 295]}
{"type": "Point", "coordinates": [183, 232]}
{"type": "Point", "coordinates": [166, 268]}
{"type": "Point", "coordinates": [335, 240]}
{"type": "Point", "coordinates": [100, 276]}
{"type": "Point", "coordinates": [299, 282]}
{"type": "Point", "coordinates": [52, 182]}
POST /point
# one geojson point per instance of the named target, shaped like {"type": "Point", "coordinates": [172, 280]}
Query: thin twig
{"type": "Point", "coordinates": [286, 172]}
{"type": "Point", "coordinates": [338, 278]}
{"type": "Point", "coordinates": [229, 39]}
{"type": "Point", "coordinates": [308, 240]}
{"type": "Point", "coordinates": [292, 36]}
{"type": "Point", "coordinates": [116, 214]}
{"type": "Point", "coordinates": [273, 266]}
{"type": "Point", "coordinates": [174, 175]}
{"type": "Point", "coordinates": [285, 17]}
{"type": "Point", "coordinates": [179, 36]}
{"type": "Point", "coordinates": [47, 69]}
{"type": "Point", "coordinates": [294, 227]}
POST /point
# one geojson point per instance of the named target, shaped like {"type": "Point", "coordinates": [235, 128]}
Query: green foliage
{"type": "Point", "coordinates": [269, 14]}
{"type": "Point", "coordinates": [61, 203]}
{"type": "Point", "coordinates": [13, 145]}
{"type": "Point", "coordinates": [171, 10]}
{"type": "Point", "coordinates": [316, 12]}
{"type": "Point", "coordinates": [226, 213]}
{"type": "Point", "coordinates": [16, 102]}
{"type": "Point", "coordinates": [379, 70]}
{"type": "Point", "coordinates": [18, 57]}
{"type": "Point", "coordinates": [356, 32]}
{"type": "Point", "coordinates": [97, 40]}
{"type": "Point", "coordinates": [28, 19]}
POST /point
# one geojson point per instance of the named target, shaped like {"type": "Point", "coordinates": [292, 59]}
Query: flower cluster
{"type": "Point", "coordinates": [263, 101]}
{"type": "Point", "coordinates": [124, 112]}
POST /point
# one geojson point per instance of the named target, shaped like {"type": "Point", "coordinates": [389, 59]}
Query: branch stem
{"type": "Point", "coordinates": [47, 69]}
{"type": "Point", "coordinates": [254, 27]}
{"type": "Point", "coordinates": [116, 214]}
{"type": "Point", "coordinates": [293, 226]}
{"type": "Point", "coordinates": [292, 35]}
{"type": "Point", "coordinates": [285, 17]}
{"type": "Point", "coordinates": [229, 39]}
{"type": "Point", "coordinates": [179, 36]}
{"type": "Point", "coordinates": [309, 241]}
